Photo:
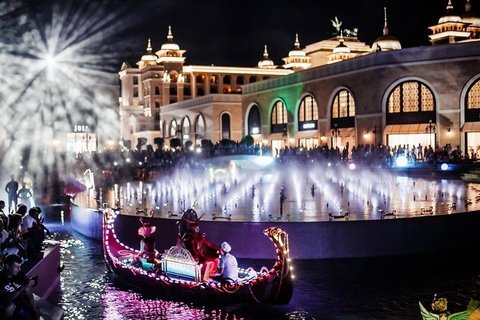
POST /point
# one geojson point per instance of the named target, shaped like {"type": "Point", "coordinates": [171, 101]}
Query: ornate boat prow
{"type": "Point", "coordinates": [280, 277]}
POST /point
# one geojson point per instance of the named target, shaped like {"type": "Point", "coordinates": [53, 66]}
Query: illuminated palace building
{"type": "Point", "coordinates": [338, 91]}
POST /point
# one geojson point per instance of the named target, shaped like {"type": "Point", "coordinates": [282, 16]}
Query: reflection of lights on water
{"type": "Point", "coordinates": [352, 166]}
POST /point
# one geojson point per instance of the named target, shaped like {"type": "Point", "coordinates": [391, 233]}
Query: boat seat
{"type": "Point", "coordinates": [177, 262]}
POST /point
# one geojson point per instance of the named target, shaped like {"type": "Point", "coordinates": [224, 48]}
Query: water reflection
{"type": "Point", "coordinates": [373, 288]}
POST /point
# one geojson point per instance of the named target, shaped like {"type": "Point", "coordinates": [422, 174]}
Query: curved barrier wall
{"type": "Point", "coordinates": [86, 221]}
{"type": "Point", "coordinates": [308, 240]}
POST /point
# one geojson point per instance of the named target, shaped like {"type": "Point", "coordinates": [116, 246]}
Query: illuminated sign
{"type": "Point", "coordinates": [255, 130]}
{"type": "Point", "coordinates": [78, 128]}
{"type": "Point", "coordinates": [308, 126]}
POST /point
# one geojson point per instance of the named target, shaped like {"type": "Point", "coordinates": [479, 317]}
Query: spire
{"type": "Point", "coordinates": [297, 43]}
{"type": "Point", "coordinates": [449, 5]}
{"type": "Point", "coordinates": [149, 46]}
{"type": "Point", "coordinates": [385, 27]}
{"type": "Point", "coordinates": [468, 6]}
{"type": "Point", "coordinates": [265, 53]}
{"type": "Point", "coordinates": [341, 40]}
{"type": "Point", "coordinates": [170, 35]}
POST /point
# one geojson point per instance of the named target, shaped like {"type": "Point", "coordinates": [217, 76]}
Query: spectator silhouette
{"type": "Point", "coordinates": [11, 189]}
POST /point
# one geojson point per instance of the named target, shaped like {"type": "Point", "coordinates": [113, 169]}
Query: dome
{"type": "Point", "coordinates": [341, 48]}
{"type": "Point", "coordinates": [469, 16]}
{"type": "Point", "coordinates": [266, 61]}
{"type": "Point", "coordinates": [450, 17]}
{"type": "Point", "coordinates": [474, 21]}
{"type": "Point", "coordinates": [170, 45]}
{"type": "Point", "coordinates": [386, 42]}
{"type": "Point", "coordinates": [296, 51]}
{"type": "Point", "coordinates": [149, 56]}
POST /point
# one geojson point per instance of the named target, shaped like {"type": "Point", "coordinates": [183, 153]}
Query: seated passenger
{"type": "Point", "coordinates": [198, 247]}
{"type": "Point", "coordinates": [228, 266]}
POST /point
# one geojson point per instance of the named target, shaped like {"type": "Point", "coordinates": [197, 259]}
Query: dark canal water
{"type": "Point", "coordinates": [373, 288]}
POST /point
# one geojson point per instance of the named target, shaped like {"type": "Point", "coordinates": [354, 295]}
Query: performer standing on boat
{"type": "Point", "coordinates": [147, 244]}
{"type": "Point", "coordinates": [195, 243]}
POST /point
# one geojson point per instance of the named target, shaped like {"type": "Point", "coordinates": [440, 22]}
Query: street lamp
{"type": "Point", "coordinates": [335, 134]}
{"type": "Point", "coordinates": [430, 129]}
{"type": "Point", "coordinates": [375, 134]}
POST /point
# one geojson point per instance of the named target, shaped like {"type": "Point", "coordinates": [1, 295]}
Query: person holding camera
{"type": "Point", "coordinates": [16, 297]}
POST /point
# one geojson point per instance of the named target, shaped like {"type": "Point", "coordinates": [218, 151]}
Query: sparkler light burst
{"type": "Point", "coordinates": [58, 71]}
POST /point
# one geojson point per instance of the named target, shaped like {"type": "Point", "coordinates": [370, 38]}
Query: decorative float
{"type": "Point", "coordinates": [440, 311]}
{"type": "Point", "coordinates": [175, 273]}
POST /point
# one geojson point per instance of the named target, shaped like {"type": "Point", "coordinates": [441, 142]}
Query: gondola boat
{"type": "Point", "coordinates": [175, 273]}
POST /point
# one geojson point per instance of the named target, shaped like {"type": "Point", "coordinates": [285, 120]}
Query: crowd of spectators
{"type": "Point", "coordinates": [147, 163]}
{"type": "Point", "coordinates": [22, 235]}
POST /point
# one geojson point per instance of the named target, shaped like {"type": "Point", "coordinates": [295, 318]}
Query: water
{"type": "Point", "coordinates": [367, 288]}
{"type": "Point", "coordinates": [373, 288]}
{"type": "Point", "coordinates": [311, 193]}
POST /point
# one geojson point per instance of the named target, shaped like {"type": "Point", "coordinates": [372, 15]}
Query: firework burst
{"type": "Point", "coordinates": [58, 74]}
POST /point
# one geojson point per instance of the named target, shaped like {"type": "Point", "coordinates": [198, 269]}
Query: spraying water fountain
{"type": "Point", "coordinates": [316, 192]}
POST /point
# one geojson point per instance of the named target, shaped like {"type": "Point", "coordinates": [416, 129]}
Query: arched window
{"type": "Point", "coordinates": [186, 126]}
{"type": "Point", "coordinates": [473, 96]}
{"type": "Point", "coordinates": [472, 103]}
{"type": "Point", "coordinates": [173, 128]}
{"type": "Point", "coordinates": [343, 109]}
{"type": "Point", "coordinates": [254, 121]}
{"type": "Point", "coordinates": [225, 126]}
{"type": "Point", "coordinates": [279, 113]}
{"type": "Point", "coordinates": [279, 118]}
{"type": "Point", "coordinates": [199, 128]}
{"type": "Point", "coordinates": [308, 114]}
{"type": "Point", "coordinates": [410, 96]}
{"type": "Point", "coordinates": [410, 102]}
{"type": "Point", "coordinates": [200, 124]}
{"type": "Point", "coordinates": [343, 105]}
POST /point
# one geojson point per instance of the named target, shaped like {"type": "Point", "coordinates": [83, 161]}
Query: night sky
{"type": "Point", "coordinates": [233, 32]}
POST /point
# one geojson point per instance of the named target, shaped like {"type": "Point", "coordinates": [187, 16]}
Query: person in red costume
{"type": "Point", "coordinates": [147, 244]}
{"type": "Point", "coordinates": [202, 251]}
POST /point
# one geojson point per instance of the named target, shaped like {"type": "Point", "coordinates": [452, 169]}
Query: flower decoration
{"type": "Point", "coordinates": [439, 305]}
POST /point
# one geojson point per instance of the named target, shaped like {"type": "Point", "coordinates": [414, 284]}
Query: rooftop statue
{"type": "Point", "coordinates": [350, 33]}
{"type": "Point", "coordinates": [336, 24]}
{"type": "Point", "coordinates": [346, 32]}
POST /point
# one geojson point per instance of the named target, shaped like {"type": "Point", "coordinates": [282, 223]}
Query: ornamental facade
{"type": "Point", "coordinates": [337, 92]}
